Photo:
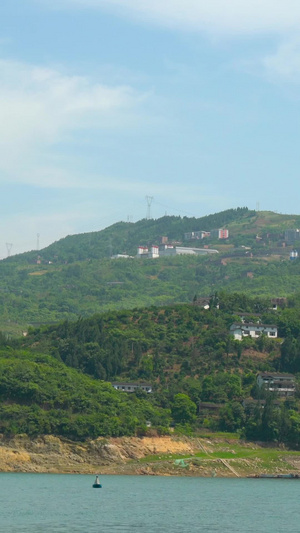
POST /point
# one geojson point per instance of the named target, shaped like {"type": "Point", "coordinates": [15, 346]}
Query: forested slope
{"type": "Point", "coordinates": [35, 295]}
{"type": "Point", "coordinates": [39, 395]}
{"type": "Point", "coordinates": [184, 351]}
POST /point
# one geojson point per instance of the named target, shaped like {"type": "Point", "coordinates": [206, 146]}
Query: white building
{"type": "Point", "coordinates": [247, 329]}
{"type": "Point", "coordinates": [293, 255]}
{"type": "Point", "coordinates": [132, 387]}
{"type": "Point", "coordinates": [167, 250]}
{"type": "Point", "coordinates": [120, 256]}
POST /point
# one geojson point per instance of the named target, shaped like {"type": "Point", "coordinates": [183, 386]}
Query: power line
{"type": "Point", "coordinates": [174, 209]}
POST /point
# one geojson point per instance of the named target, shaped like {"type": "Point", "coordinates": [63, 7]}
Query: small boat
{"type": "Point", "coordinates": [97, 484]}
{"type": "Point", "coordinates": [275, 476]}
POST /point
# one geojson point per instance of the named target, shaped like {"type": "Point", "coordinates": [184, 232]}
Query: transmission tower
{"type": "Point", "coordinates": [37, 241]}
{"type": "Point", "coordinates": [149, 202]}
{"type": "Point", "coordinates": [9, 247]}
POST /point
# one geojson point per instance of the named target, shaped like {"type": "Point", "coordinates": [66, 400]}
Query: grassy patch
{"type": "Point", "coordinates": [267, 458]}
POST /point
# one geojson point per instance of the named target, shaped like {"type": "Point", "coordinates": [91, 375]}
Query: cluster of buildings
{"type": "Point", "coordinates": [167, 250]}
{"type": "Point", "coordinates": [214, 234]}
{"type": "Point", "coordinates": [283, 385]}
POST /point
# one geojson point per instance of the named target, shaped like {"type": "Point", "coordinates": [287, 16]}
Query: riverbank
{"type": "Point", "coordinates": [169, 455]}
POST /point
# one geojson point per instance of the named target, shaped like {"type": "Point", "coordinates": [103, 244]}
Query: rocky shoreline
{"type": "Point", "coordinates": [140, 456]}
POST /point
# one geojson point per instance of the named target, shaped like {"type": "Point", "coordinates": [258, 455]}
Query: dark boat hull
{"type": "Point", "coordinates": [275, 476]}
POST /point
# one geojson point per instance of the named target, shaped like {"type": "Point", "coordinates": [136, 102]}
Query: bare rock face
{"type": "Point", "coordinates": [106, 451]}
{"type": "Point", "coordinates": [123, 455]}
{"type": "Point", "coordinates": [47, 444]}
{"type": "Point", "coordinates": [18, 441]}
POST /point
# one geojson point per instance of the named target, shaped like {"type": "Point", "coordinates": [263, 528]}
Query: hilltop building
{"type": "Point", "coordinates": [196, 235]}
{"type": "Point", "coordinates": [167, 250]}
{"type": "Point", "coordinates": [219, 233]}
{"type": "Point", "coordinates": [215, 234]}
{"type": "Point", "coordinates": [143, 252]}
{"type": "Point", "coordinates": [163, 240]}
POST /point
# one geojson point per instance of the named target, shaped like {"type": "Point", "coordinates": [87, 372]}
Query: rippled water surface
{"type": "Point", "coordinates": [49, 503]}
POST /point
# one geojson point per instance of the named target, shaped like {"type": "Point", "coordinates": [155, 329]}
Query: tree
{"type": "Point", "coordinates": [290, 355]}
{"type": "Point", "coordinates": [183, 409]}
{"type": "Point", "coordinates": [232, 417]}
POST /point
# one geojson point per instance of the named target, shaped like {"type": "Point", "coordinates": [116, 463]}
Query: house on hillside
{"type": "Point", "coordinates": [283, 384]}
{"type": "Point", "coordinates": [202, 301]}
{"type": "Point", "coordinates": [250, 329]}
{"type": "Point", "coordinates": [205, 302]}
{"type": "Point", "coordinates": [278, 302]}
{"type": "Point", "coordinates": [251, 404]}
{"type": "Point", "coordinates": [132, 387]}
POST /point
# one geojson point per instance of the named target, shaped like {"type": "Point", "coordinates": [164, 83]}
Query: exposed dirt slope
{"type": "Point", "coordinates": [148, 456]}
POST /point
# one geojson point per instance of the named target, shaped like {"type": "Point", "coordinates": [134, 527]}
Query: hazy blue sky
{"type": "Point", "coordinates": [103, 102]}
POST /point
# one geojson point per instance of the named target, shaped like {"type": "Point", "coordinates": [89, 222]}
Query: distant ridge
{"type": "Point", "coordinates": [126, 236]}
{"type": "Point", "coordinates": [77, 277]}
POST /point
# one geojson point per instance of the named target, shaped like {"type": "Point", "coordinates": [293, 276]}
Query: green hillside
{"type": "Point", "coordinates": [74, 277]}
{"type": "Point", "coordinates": [184, 351]}
{"type": "Point", "coordinates": [147, 327]}
{"type": "Point", "coordinates": [40, 395]}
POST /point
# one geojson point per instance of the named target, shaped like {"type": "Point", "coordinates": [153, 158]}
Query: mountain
{"type": "Point", "coordinates": [125, 237]}
{"type": "Point", "coordinates": [76, 277]}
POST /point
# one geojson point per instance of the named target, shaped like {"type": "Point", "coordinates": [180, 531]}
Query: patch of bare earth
{"type": "Point", "coordinates": [254, 355]}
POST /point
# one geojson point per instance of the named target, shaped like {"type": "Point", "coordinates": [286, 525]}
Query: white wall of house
{"type": "Point", "coordinates": [239, 331]}
{"type": "Point", "coordinates": [132, 387]}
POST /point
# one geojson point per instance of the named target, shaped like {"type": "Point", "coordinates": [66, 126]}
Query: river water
{"type": "Point", "coordinates": [50, 503]}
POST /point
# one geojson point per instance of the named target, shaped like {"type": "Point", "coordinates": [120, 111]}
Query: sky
{"type": "Point", "coordinates": [112, 108]}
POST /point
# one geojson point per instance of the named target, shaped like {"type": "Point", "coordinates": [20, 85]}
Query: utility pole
{"type": "Point", "coordinates": [149, 200]}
